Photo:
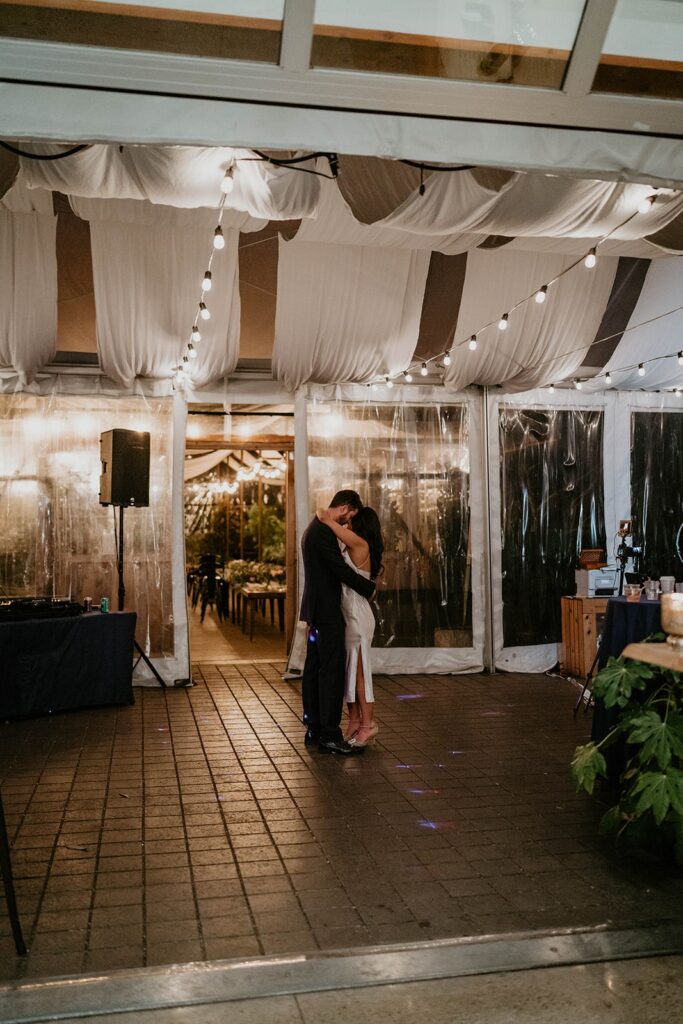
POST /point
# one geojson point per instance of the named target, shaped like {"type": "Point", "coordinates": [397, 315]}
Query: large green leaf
{"type": "Point", "coordinates": [588, 763]}
{"type": "Point", "coordinates": [618, 679]}
{"type": "Point", "coordinates": [661, 739]}
{"type": "Point", "coordinates": [658, 791]}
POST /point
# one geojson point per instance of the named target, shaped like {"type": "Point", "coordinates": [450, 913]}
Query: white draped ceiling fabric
{"type": "Point", "coordinates": [352, 279]}
{"type": "Point", "coordinates": [28, 280]}
{"type": "Point", "coordinates": [543, 342]}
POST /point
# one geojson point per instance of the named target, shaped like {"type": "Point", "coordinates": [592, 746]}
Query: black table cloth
{"type": "Point", "coordinates": [626, 622]}
{"type": "Point", "coordinates": [54, 664]}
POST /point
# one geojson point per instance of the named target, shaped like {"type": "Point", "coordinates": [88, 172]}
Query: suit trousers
{"type": "Point", "coordinates": [322, 685]}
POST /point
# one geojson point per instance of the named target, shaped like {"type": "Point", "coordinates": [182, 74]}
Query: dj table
{"type": "Point", "coordinates": [72, 662]}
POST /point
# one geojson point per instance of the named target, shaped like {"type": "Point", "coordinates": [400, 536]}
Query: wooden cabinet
{"type": "Point", "coordinates": [582, 619]}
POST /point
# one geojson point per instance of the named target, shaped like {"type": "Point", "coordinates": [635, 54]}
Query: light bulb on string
{"type": "Point", "coordinates": [645, 205]}
{"type": "Point", "coordinates": [503, 322]}
{"type": "Point", "coordinates": [551, 389]}
{"type": "Point", "coordinates": [608, 378]}
{"type": "Point", "coordinates": [446, 359]}
{"type": "Point", "coordinates": [206, 283]}
{"type": "Point", "coordinates": [680, 358]}
{"type": "Point", "coordinates": [472, 343]}
{"type": "Point", "coordinates": [423, 370]}
{"type": "Point", "coordinates": [641, 369]}
{"type": "Point", "coordinates": [541, 294]}
{"type": "Point", "coordinates": [389, 382]}
{"type": "Point", "coordinates": [196, 333]}
{"type": "Point", "coordinates": [591, 259]}
{"type": "Point", "coordinates": [218, 238]}
{"type": "Point", "coordinates": [678, 392]}
{"type": "Point", "coordinates": [204, 311]}
{"type": "Point", "coordinates": [578, 385]}
{"type": "Point", "coordinates": [408, 377]}
{"type": "Point", "coordinates": [191, 351]}
{"type": "Point", "coordinates": [228, 182]}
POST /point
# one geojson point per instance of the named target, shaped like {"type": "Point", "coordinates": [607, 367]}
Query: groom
{"type": "Point", "coordinates": [323, 679]}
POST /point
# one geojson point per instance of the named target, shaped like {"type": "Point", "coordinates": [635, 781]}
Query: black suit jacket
{"type": "Point", "coordinates": [325, 570]}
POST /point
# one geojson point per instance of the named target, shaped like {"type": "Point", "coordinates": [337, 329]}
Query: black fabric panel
{"type": "Point", "coordinates": [552, 507]}
{"type": "Point", "coordinates": [440, 304]}
{"type": "Point", "coordinates": [54, 664]}
{"type": "Point", "coordinates": [657, 491]}
{"type": "Point", "coordinates": [626, 289]}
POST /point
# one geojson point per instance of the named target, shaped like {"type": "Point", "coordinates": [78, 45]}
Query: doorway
{"type": "Point", "coordinates": [240, 532]}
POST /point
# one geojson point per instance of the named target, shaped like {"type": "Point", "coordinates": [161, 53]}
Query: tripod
{"type": "Point", "coordinates": [122, 596]}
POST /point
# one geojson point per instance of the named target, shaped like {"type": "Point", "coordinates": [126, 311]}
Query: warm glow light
{"type": "Point", "coordinates": [191, 351]}
{"type": "Point", "coordinates": [645, 205]}
{"type": "Point", "coordinates": [551, 388]}
{"type": "Point", "coordinates": [408, 376]}
{"type": "Point", "coordinates": [591, 259]}
{"type": "Point", "coordinates": [472, 343]}
{"type": "Point", "coordinates": [446, 359]}
{"type": "Point", "coordinates": [389, 382]}
{"type": "Point", "coordinates": [541, 294]}
{"type": "Point", "coordinates": [641, 370]}
{"type": "Point", "coordinates": [578, 385]}
{"type": "Point", "coordinates": [194, 429]}
{"type": "Point", "coordinates": [206, 283]}
{"type": "Point", "coordinates": [423, 370]}
{"type": "Point", "coordinates": [608, 378]}
{"type": "Point", "coordinates": [196, 333]}
{"type": "Point", "coordinates": [228, 182]}
{"type": "Point", "coordinates": [680, 358]}
{"type": "Point", "coordinates": [503, 322]}
{"type": "Point", "coordinates": [218, 238]}
{"type": "Point", "coordinates": [204, 311]}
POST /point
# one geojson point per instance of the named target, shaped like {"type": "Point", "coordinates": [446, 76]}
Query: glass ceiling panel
{"type": "Point", "coordinates": [521, 42]}
{"type": "Point", "coordinates": [643, 53]}
{"type": "Point", "coordinates": [236, 29]}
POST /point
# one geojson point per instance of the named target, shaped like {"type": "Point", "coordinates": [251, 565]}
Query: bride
{"type": "Point", "coordinates": [362, 549]}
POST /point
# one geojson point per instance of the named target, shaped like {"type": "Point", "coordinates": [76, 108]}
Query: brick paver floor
{"type": "Point", "coordinates": [195, 825]}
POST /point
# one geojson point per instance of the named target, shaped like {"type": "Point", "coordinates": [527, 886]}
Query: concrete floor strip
{"type": "Point", "coordinates": [229, 980]}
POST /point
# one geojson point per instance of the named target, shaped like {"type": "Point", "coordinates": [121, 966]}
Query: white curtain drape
{"type": "Point", "coordinates": [345, 313]}
{"type": "Point", "coordinates": [543, 342]}
{"type": "Point", "coordinates": [28, 280]}
{"type": "Point", "coordinates": [203, 463]}
{"type": "Point", "coordinates": [662, 292]}
{"type": "Point", "coordinates": [148, 264]}
{"type": "Point", "coordinates": [183, 176]}
{"type": "Point", "coordinates": [533, 205]}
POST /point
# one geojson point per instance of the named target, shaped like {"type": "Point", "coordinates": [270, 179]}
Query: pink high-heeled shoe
{"type": "Point", "coordinates": [369, 731]}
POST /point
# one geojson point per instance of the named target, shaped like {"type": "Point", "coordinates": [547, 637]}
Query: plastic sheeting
{"type": "Point", "coordinates": [657, 491]}
{"type": "Point", "coordinates": [55, 538]}
{"type": "Point", "coordinates": [552, 502]}
{"type": "Point", "coordinates": [411, 463]}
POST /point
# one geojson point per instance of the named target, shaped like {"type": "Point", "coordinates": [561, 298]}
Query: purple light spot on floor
{"type": "Point", "coordinates": [418, 791]}
{"type": "Point", "coordinates": [409, 696]}
{"type": "Point", "coordinates": [427, 824]}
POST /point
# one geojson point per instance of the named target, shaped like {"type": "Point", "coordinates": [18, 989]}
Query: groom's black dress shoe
{"type": "Point", "coordinates": [311, 738]}
{"type": "Point", "coordinates": [338, 747]}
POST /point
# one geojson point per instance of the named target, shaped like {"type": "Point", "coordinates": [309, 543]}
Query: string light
{"type": "Point", "coordinates": [218, 238]}
{"type": "Point", "coordinates": [472, 343]}
{"type": "Point", "coordinates": [196, 333]}
{"type": "Point", "coordinates": [423, 370]}
{"type": "Point", "coordinates": [608, 378]}
{"type": "Point", "coordinates": [389, 382]}
{"type": "Point", "coordinates": [577, 384]}
{"type": "Point", "coordinates": [407, 376]}
{"type": "Point", "coordinates": [641, 369]}
{"type": "Point", "coordinates": [204, 311]}
{"type": "Point", "coordinates": [503, 322]}
{"type": "Point", "coordinates": [591, 258]}
{"type": "Point", "coordinates": [228, 182]}
{"type": "Point", "coordinates": [206, 283]}
{"type": "Point", "coordinates": [446, 359]}
{"type": "Point", "coordinates": [646, 204]}
{"type": "Point", "coordinates": [541, 294]}
{"type": "Point", "coordinates": [191, 351]}
{"type": "Point", "coordinates": [680, 358]}
{"type": "Point", "coordinates": [551, 389]}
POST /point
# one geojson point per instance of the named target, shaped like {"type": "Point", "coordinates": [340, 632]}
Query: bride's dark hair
{"type": "Point", "coordinates": [366, 524]}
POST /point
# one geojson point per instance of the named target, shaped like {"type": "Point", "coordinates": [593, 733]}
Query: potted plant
{"type": "Point", "coordinates": [646, 704]}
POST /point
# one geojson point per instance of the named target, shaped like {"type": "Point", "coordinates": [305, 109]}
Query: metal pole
{"type": "Point", "coordinates": [489, 630]}
{"type": "Point", "coordinates": [119, 567]}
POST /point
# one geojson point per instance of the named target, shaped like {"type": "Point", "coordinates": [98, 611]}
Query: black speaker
{"type": "Point", "coordinates": [125, 467]}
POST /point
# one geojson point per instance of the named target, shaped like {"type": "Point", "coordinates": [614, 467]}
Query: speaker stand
{"type": "Point", "coordinates": [122, 600]}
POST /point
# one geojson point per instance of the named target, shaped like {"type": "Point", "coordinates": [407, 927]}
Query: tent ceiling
{"type": "Point", "coordinates": [374, 275]}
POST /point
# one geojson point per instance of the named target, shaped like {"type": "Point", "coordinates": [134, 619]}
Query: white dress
{"type": "Point", "coordinates": [360, 628]}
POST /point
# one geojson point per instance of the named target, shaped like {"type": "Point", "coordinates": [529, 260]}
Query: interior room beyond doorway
{"type": "Point", "coordinates": [240, 537]}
